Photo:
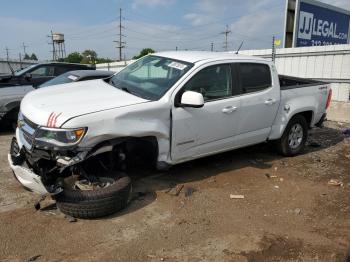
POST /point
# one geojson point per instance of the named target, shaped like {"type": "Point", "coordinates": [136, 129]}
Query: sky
{"type": "Point", "coordinates": [158, 24]}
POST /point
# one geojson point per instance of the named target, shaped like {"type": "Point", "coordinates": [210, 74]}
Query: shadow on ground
{"type": "Point", "coordinates": [147, 182]}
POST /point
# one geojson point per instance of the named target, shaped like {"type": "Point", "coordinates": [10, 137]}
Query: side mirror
{"type": "Point", "coordinates": [28, 76]}
{"type": "Point", "coordinates": [192, 99]}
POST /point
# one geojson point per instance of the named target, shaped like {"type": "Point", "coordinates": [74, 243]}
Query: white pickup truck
{"type": "Point", "coordinates": [72, 140]}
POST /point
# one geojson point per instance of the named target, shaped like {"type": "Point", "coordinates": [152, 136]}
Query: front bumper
{"type": "Point", "coordinates": [27, 178]}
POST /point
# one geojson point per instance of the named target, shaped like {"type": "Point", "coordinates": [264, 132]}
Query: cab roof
{"type": "Point", "coordinates": [197, 56]}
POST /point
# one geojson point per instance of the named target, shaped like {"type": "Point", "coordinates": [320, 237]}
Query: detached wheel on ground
{"type": "Point", "coordinates": [294, 137]}
{"type": "Point", "coordinates": [106, 195]}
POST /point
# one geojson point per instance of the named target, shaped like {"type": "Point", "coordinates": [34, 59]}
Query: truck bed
{"type": "Point", "coordinates": [291, 82]}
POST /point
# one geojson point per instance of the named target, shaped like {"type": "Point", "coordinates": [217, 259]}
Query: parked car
{"type": "Point", "coordinates": [73, 140]}
{"type": "Point", "coordinates": [76, 76]}
{"type": "Point", "coordinates": [13, 87]}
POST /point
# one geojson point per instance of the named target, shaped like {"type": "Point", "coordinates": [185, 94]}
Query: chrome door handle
{"type": "Point", "coordinates": [229, 109]}
{"type": "Point", "coordinates": [270, 102]}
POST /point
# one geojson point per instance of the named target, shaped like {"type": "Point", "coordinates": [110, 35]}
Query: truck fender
{"type": "Point", "coordinates": [12, 105]}
{"type": "Point", "coordinates": [285, 114]}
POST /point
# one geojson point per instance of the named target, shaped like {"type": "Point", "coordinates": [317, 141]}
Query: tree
{"type": "Point", "coordinates": [74, 57]}
{"type": "Point", "coordinates": [144, 52]}
{"type": "Point", "coordinates": [26, 57]}
{"type": "Point", "coordinates": [89, 56]}
{"type": "Point", "coordinates": [33, 57]}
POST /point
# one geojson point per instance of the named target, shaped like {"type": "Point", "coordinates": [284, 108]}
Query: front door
{"type": "Point", "coordinates": [41, 75]}
{"type": "Point", "coordinates": [203, 131]}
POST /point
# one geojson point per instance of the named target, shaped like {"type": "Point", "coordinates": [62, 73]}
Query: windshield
{"type": "Point", "coordinates": [25, 70]}
{"type": "Point", "coordinates": [61, 79]}
{"type": "Point", "coordinates": [150, 77]}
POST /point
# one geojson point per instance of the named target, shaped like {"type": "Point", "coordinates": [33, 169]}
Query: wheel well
{"type": "Point", "coordinates": [12, 114]}
{"type": "Point", "coordinates": [143, 149]}
{"type": "Point", "coordinates": [130, 152]}
{"type": "Point", "coordinates": [308, 117]}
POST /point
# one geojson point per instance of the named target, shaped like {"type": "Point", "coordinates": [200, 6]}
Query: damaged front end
{"type": "Point", "coordinates": [42, 158]}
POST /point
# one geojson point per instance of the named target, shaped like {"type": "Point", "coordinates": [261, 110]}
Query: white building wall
{"type": "Point", "coordinates": [326, 63]}
{"type": "Point", "coordinates": [114, 66]}
{"type": "Point", "coordinates": [16, 64]}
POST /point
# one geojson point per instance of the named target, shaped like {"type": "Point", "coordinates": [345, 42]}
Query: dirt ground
{"type": "Point", "coordinates": [289, 212]}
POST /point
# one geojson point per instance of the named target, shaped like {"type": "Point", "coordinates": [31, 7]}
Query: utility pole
{"type": "Point", "coordinates": [212, 47]}
{"type": "Point", "coordinates": [120, 43]}
{"type": "Point", "coordinates": [7, 53]}
{"type": "Point", "coordinates": [20, 60]}
{"type": "Point", "coordinates": [24, 48]}
{"type": "Point", "coordinates": [226, 32]}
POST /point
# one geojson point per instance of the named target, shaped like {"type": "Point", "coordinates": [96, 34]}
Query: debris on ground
{"type": "Point", "coordinates": [37, 205]}
{"type": "Point", "coordinates": [189, 191]}
{"type": "Point", "coordinates": [270, 176]}
{"type": "Point", "coordinates": [297, 211]}
{"type": "Point", "coordinates": [175, 191]}
{"type": "Point", "coordinates": [346, 131]}
{"type": "Point", "coordinates": [70, 219]}
{"type": "Point", "coordinates": [277, 187]}
{"type": "Point", "coordinates": [335, 182]}
{"type": "Point", "coordinates": [236, 196]}
{"type": "Point", "coordinates": [33, 258]}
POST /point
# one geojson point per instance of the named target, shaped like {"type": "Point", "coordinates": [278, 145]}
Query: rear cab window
{"type": "Point", "coordinates": [254, 77]}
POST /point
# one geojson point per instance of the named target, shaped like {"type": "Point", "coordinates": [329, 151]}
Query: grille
{"type": "Point", "coordinates": [27, 131]}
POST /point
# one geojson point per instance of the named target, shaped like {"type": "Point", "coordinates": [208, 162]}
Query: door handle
{"type": "Point", "coordinates": [229, 109]}
{"type": "Point", "coordinates": [270, 102]}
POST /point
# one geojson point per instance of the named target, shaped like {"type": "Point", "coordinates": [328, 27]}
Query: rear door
{"type": "Point", "coordinates": [259, 103]}
{"type": "Point", "coordinates": [203, 131]}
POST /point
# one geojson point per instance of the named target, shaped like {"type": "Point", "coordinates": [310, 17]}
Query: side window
{"type": "Point", "coordinates": [43, 71]}
{"type": "Point", "coordinates": [59, 70]}
{"type": "Point", "coordinates": [213, 82]}
{"type": "Point", "coordinates": [254, 77]}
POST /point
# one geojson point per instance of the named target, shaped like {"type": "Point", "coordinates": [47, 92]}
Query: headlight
{"type": "Point", "coordinates": [59, 137]}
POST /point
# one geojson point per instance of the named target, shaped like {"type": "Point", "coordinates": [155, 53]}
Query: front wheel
{"type": "Point", "coordinates": [294, 137]}
{"type": "Point", "coordinates": [81, 198]}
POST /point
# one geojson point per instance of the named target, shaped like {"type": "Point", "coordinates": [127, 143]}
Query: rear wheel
{"type": "Point", "coordinates": [93, 198]}
{"type": "Point", "coordinates": [294, 137]}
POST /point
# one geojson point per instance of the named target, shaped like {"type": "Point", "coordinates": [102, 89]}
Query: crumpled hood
{"type": "Point", "coordinates": [54, 105]}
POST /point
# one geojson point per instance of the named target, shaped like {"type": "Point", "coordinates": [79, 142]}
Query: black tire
{"type": "Point", "coordinates": [283, 145]}
{"type": "Point", "coordinates": [96, 203]}
{"type": "Point", "coordinates": [10, 119]}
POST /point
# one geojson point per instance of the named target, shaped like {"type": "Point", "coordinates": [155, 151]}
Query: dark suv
{"type": "Point", "coordinates": [38, 74]}
{"type": "Point", "coordinates": [15, 86]}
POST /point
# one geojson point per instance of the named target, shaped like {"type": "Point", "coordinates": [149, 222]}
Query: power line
{"type": "Point", "coordinates": [121, 44]}
{"type": "Point", "coordinates": [226, 32]}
